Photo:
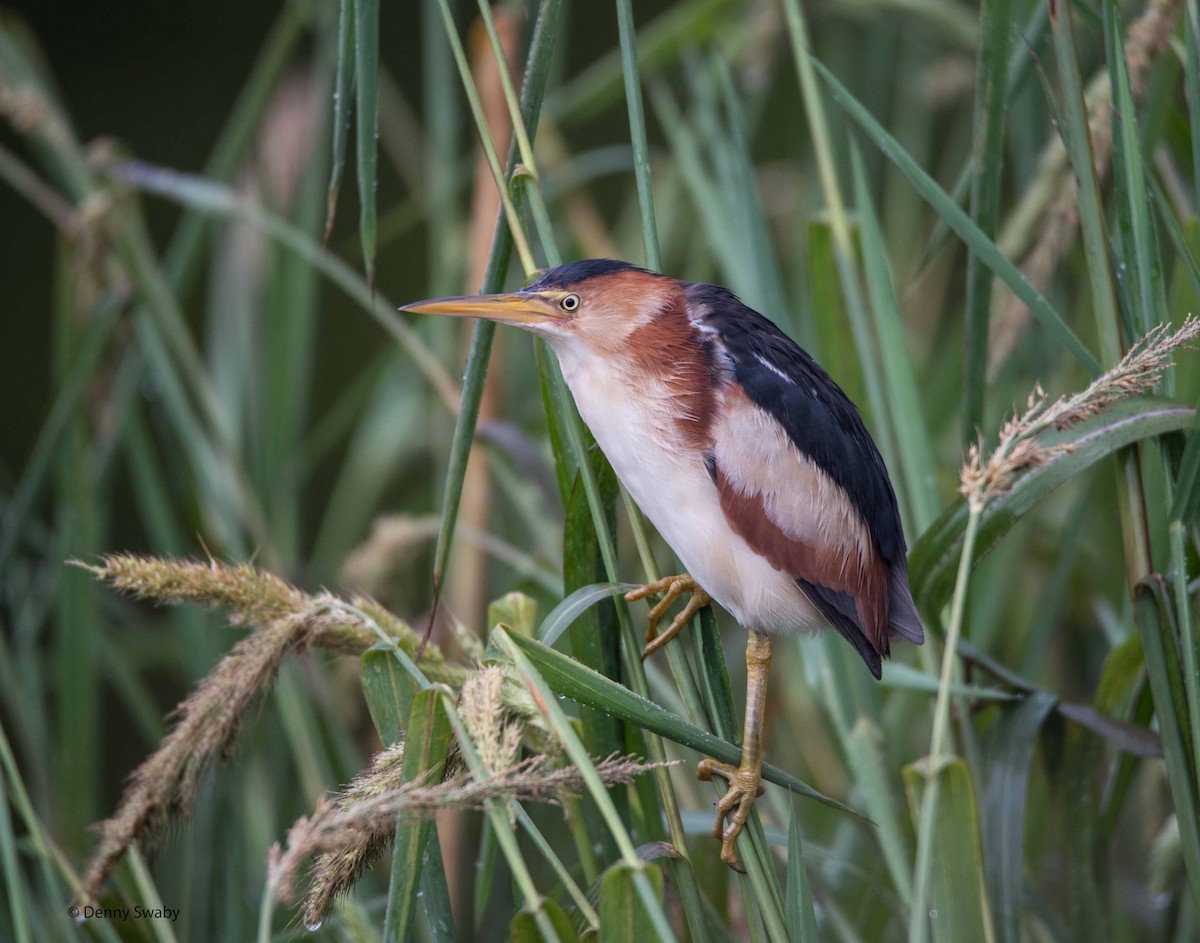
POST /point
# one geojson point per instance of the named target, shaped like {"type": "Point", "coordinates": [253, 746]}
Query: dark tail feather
{"type": "Point", "coordinates": [903, 619]}
{"type": "Point", "coordinates": [842, 612]}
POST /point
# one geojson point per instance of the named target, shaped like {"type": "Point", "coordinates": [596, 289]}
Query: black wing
{"type": "Point", "coordinates": [782, 379]}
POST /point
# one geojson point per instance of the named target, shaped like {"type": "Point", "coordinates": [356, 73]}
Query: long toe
{"type": "Point", "coordinates": [733, 808]}
{"type": "Point", "coordinates": [706, 769]}
{"type": "Point", "coordinates": [650, 589]}
{"type": "Point", "coordinates": [671, 588]}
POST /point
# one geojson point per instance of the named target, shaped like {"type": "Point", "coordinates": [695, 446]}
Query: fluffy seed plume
{"type": "Point", "coordinates": [338, 866]}
{"type": "Point", "coordinates": [1019, 448]}
{"type": "Point", "coordinates": [206, 727]}
{"type": "Point", "coordinates": [483, 712]}
{"type": "Point", "coordinates": [284, 619]}
{"type": "Point", "coordinates": [347, 831]}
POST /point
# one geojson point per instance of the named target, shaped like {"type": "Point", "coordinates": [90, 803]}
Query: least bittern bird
{"type": "Point", "coordinates": [744, 454]}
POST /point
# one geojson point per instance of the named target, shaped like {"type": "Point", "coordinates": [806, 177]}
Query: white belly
{"type": "Point", "coordinates": [670, 484]}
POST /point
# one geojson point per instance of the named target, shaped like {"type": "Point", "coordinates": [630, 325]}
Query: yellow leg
{"type": "Point", "coordinates": [672, 587]}
{"type": "Point", "coordinates": [744, 785]}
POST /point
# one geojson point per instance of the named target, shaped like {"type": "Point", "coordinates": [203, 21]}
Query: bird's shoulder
{"type": "Point", "coordinates": [785, 382]}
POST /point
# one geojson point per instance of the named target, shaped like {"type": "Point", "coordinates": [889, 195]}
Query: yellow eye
{"type": "Point", "coordinates": [569, 303]}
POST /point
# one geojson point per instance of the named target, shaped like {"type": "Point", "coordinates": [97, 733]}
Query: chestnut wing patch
{"type": "Point", "coordinates": [780, 377]}
{"type": "Point", "coordinates": [797, 517]}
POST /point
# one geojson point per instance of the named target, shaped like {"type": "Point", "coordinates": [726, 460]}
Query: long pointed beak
{"type": "Point", "coordinates": [519, 309]}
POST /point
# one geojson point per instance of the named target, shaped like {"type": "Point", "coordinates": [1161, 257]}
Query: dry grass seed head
{"type": "Point", "coordinates": [207, 723]}
{"type": "Point", "coordinates": [1020, 450]}
{"type": "Point", "coordinates": [208, 720]}
{"type": "Point", "coordinates": [341, 850]}
{"type": "Point", "coordinates": [345, 833]}
{"type": "Point", "coordinates": [497, 739]}
{"type": "Point", "coordinates": [254, 596]}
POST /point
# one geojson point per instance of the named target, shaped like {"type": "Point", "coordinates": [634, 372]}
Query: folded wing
{"type": "Point", "coordinates": [801, 481]}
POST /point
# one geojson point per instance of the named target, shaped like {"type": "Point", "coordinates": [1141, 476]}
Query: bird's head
{"type": "Point", "coordinates": [585, 307]}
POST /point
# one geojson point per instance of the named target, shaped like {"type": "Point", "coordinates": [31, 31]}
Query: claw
{"type": "Point", "coordinates": [672, 587]}
{"type": "Point", "coordinates": [744, 787]}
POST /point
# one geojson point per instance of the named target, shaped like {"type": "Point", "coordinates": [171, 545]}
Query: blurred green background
{"type": "Point", "coordinates": [185, 371]}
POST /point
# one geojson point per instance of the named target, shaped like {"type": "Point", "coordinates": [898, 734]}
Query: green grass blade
{"type": "Point", "coordinates": [864, 748]}
{"type": "Point", "coordinates": [737, 269]}
{"type": "Point", "coordinates": [927, 812]}
{"type": "Point", "coordinates": [899, 378]}
{"type": "Point", "coordinates": [902, 676]}
{"type": "Point", "coordinates": [843, 245]}
{"type": "Point", "coordinates": [622, 916]}
{"type": "Point", "coordinates": [1088, 896]}
{"type": "Point", "coordinates": [51, 138]}
{"type": "Point", "coordinates": [960, 222]}
{"type": "Point", "coordinates": [595, 634]}
{"type": "Point", "coordinates": [574, 605]}
{"type": "Point", "coordinates": [281, 385]}
{"type": "Point", "coordinates": [659, 43]}
{"type": "Point", "coordinates": [1141, 266]}
{"type": "Point", "coordinates": [366, 70]}
{"type": "Point", "coordinates": [520, 134]}
{"type": "Point", "coordinates": [343, 97]}
{"type": "Point", "coordinates": [515, 648]}
{"type": "Point", "coordinates": [568, 677]}
{"type": "Point", "coordinates": [483, 334]}
{"type": "Point", "coordinates": [524, 927]}
{"type": "Point", "coordinates": [436, 906]}
{"type": "Point", "coordinates": [27, 184]}
{"type": "Point", "coordinates": [1184, 242]}
{"type": "Point", "coordinates": [559, 410]}
{"type": "Point", "coordinates": [1009, 753]}
{"type": "Point", "coordinates": [79, 526]}
{"type": "Point", "coordinates": [1020, 62]}
{"type": "Point", "coordinates": [801, 919]}
{"type": "Point", "coordinates": [443, 121]}
{"type": "Point", "coordinates": [1188, 641]}
{"type": "Point", "coordinates": [959, 910]}
{"type": "Point", "coordinates": [149, 897]}
{"type": "Point", "coordinates": [487, 145]}
{"type": "Point", "coordinates": [934, 559]}
{"type": "Point", "coordinates": [427, 738]}
{"type": "Point", "coordinates": [388, 690]}
{"type": "Point", "coordinates": [991, 90]}
{"type": "Point", "coordinates": [735, 153]}
{"type": "Point", "coordinates": [832, 347]}
{"type": "Point", "coordinates": [70, 390]}
{"type": "Point", "coordinates": [1152, 609]}
{"type": "Point", "coordinates": [14, 881]}
{"type": "Point", "coordinates": [1191, 29]}
{"type": "Point", "coordinates": [1078, 141]}
{"type": "Point", "coordinates": [498, 815]}
{"type": "Point", "coordinates": [1120, 693]}
{"type": "Point", "coordinates": [637, 135]}
{"type": "Point", "coordinates": [211, 197]}
{"type": "Point", "coordinates": [185, 252]}
{"type": "Point", "coordinates": [595, 639]}
{"type": "Point", "coordinates": [714, 678]}
{"type": "Point", "coordinates": [47, 859]}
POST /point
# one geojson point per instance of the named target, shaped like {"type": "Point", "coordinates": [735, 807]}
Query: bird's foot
{"type": "Point", "coordinates": [735, 805]}
{"type": "Point", "coordinates": [671, 587]}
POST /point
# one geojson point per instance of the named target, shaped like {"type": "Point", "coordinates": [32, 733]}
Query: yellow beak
{"type": "Point", "coordinates": [518, 309]}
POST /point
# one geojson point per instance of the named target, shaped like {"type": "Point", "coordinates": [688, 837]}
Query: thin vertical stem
{"type": "Point", "coordinates": [918, 919]}
{"type": "Point", "coordinates": [485, 141]}
{"type": "Point", "coordinates": [637, 135]}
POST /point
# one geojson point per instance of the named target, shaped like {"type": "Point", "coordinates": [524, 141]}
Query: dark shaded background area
{"type": "Point", "coordinates": [160, 77]}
